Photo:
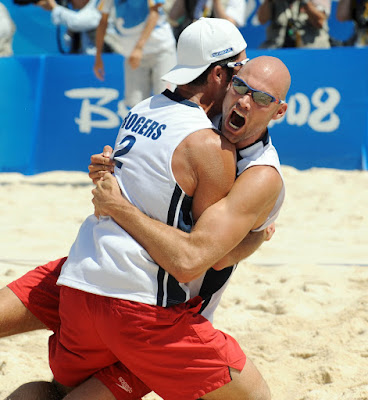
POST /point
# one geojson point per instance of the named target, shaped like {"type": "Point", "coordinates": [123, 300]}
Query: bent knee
{"type": "Point", "coordinates": [14, 316]}
{"type": "Point", "coordinates": [250, 384]}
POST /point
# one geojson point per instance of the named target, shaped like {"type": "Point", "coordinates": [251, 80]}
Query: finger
{"type": "Point", "coordinates": [107, 176]}
{"type": "Point", "coordinates": [100, 168]}
{"type": "Point", "coordinates": [96, 176]}
{"type": "Point", "coordinates": [107, 151]}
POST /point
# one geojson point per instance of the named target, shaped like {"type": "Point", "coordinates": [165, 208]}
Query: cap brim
{"type": "Point", "coordinates": [183, 74]}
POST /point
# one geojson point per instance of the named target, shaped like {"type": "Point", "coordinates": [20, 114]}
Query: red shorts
{"type": "Point", "coordinates": [174, 351]}
{"type": "Point", "coordinates": [38, 291]}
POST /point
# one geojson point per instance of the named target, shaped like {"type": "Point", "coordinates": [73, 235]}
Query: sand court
{"type": "Point", "coordinates": [298, 307]}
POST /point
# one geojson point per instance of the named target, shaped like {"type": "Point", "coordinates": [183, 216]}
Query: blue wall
{"type": "Point", "coordinates": [55, 113]}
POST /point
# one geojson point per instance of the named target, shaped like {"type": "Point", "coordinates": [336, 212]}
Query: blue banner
{"type": "Point", "coordinates": [55, 113]}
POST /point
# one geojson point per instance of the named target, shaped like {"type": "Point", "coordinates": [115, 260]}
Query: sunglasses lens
{"type": "Point", "coordinates": [263, 99]}
{"type": "Point", "coordinates": [240, 87]}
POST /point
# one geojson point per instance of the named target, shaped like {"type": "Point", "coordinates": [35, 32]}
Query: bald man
{"type": "Point", "coordinates": [255, 97]}
{"type": "Point", "coordinates": [255, 198]}
{"type": "Point", "coordinates": [253, 203]}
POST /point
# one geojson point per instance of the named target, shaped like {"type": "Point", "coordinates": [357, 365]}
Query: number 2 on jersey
{"type": "Point", "coordinates": [128, 142]}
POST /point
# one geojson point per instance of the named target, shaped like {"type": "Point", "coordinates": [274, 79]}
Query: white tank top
{"type": "Point", "coordinates": [104, 259]}
{"type": "Point", "coordinates": [262, 153]}
{"type": "Point", "coordinates": [211, 286]}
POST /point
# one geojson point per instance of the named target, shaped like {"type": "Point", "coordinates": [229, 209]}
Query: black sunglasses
{"type": "Point", "coordinates": [259, 97]}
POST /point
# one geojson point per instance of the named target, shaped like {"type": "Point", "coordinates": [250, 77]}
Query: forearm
{"type": "Point", "coordinates": [100, 34]}
{"type": "Point", "coordinates": [220, 12]}
{"type": "Point", "coordinates": [316, 16]}
{"type": "Point", "coordinates": [169, 247]}
{"type": "Point", "coordinates": [264, 12]}
{"type": "Point", "coordinates": [149, 27]}
{"type": "Point", "coordinates": [185, 256]}
{"type": "Point", "coordinates": [246, 248]}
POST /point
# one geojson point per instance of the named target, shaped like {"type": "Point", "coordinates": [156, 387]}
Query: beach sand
{"type": "Point", "coordinates": [298, 306]}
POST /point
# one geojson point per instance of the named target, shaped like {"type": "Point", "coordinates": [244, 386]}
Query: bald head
{"type": "Point", "coordinates": [271, 71]}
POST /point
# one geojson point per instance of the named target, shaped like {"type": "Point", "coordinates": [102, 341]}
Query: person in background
{"type": "Point", "coordinates": [184, 12]}
{"type": "Point", "coordinates": [232, 10]}
{"type": "Point", "coordinates": [145, 40]}
{"type": "Point", "coordinates": [357, 11]}
{"type": "Point", "coordinates": [81, 21]}
{"type": "Point", "coordinates": [7, 30]}
{"type": "Point", "coordinates": [295, 23]}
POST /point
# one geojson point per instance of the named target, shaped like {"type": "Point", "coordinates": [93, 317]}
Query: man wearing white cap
{"type": "Point", "coordinates": [173, 349]}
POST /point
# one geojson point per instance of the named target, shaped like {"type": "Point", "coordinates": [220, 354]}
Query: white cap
{"type": "Point", "coordinates": [202, 43]}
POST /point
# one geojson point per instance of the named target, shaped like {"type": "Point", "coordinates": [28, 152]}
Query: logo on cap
{"type": "Point", "coordinates": [222, 52]}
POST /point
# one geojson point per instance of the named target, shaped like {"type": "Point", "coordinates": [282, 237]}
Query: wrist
{"type": "Point", "coordinates": [120, 208]}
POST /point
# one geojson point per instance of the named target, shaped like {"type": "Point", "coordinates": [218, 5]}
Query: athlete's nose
{"type": "Point", "coordinates": [245, 100]}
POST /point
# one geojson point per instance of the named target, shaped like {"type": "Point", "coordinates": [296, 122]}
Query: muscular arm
{"type": "Point", "coordinates": [218, 231]}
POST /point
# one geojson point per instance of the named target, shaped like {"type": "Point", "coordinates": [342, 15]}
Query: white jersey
{"type": "Point", "coordinates": [104, 259]}
{"type": "Point", "coordinates": [262, 153]}
{"type": "Point", "coordinates": [130, 20]}
{"type": "Point", "coordinates": [212, 285]}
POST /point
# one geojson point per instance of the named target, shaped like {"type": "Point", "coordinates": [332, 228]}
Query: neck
{"type": "Point", "coordinates": [198, 95]}
{"type": "Point", "coordinates": [251, 140]}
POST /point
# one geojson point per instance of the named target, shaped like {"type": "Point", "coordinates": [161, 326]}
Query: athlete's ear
{"type": "Point", "coordinates": [280, 111]}
{"type": "Point", "coordinates": [218, 75]}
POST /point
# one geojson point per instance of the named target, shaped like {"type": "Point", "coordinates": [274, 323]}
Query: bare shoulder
{"type": "Point", "coordinates": [255, 193]}
{"type": "Point", "coordinates": [204, 164]}
{"type": "Point", "coordinates": [262, 175]}
{"type": "Point", "coordinates": [261, 183]}
{"type": "Point", "coordinates": [209, 143]}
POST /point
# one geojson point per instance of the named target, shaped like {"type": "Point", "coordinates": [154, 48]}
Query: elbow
{"type": "Point", "coordinates": [186, 269]}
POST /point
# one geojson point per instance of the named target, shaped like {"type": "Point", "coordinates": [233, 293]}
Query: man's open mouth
{"type": "Point", "coordinates": [236, 120]}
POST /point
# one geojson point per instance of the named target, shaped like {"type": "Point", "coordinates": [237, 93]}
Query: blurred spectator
{"type": "Point", "coordinates": [81, 23]}
{"type": "Point", "coordinates": [7, 30]}
{"type": "Point", "coordinates": [184, 12]}
{"type": "Point", "coordinates": [357, 11]}
{"type": "Point", "coordinates": [295, 23]}
{"type": "Point", "coordinates": [145, 39]}
{"type": "Point", "coordinates": [232, 10]}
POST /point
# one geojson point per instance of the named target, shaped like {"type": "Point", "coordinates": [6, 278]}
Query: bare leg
{"type": "Point", "coordinates": [14, 316]}
{"type": "Point", "coordinates": [37, 391]}
{"type": "Point", "coordinates": [92, 388]}
{"type": "Point", "coordinates": [246, 385]}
